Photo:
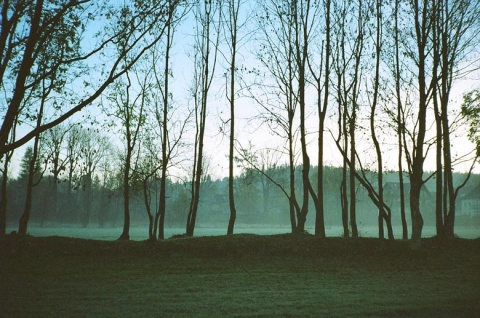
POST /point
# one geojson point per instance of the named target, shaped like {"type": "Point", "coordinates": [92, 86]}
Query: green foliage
{"type": "Point", "coordinates": [471, 111]}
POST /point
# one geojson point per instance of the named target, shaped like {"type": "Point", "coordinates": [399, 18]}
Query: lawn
{"type": "Point", "coordinates": [242, 275]}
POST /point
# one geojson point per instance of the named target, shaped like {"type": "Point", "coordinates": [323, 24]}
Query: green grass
{"type": "Point", "coordinates": [243, 275]}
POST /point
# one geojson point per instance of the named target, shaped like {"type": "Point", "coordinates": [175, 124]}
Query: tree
{"type": "Point", "coordinates": [94, 147]}
{"type": "Point", "coordinates": [147, 172]}
{"type": "Point", "coordinates": [205, 62]}
{"type": "Point", "coordinates": [284, 50]}
{"type": "Point", "coordinates": [163, 111]}
{"type": "Point", "coordinates": [231, 27]}
{"type": "Point", "coordinates": [43, 41]}
{"type": "Point", "coordinates": [322, 112]}
{"type": "Point", "coordinates": [53, 142]}
{"type": "Point", "coordinates": [349, 47]}
{"type": "Point", "coordinates": [471, 110]}
{"type": "Point", "coordinates": [383, 214]}
{"type": "Point", "coordinates": [276, 95]}
{"type": "Point", "coordinates": [31, 167]}
{"type": "Point", "coordinates": [455, 38]}
{"type": "Point", "coordinates": [399, 119]}
{"type": "Point", "coordinates": [418, 50]}
{"type": "Point", "coordinates": [129, 109]}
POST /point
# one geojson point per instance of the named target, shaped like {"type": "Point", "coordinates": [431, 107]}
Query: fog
{"type": "Point", "coordinates": [140, 233]}
{"type": "Point", "coordinates": [261, 208]}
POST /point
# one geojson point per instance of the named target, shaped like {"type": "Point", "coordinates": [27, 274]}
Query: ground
{"type": "Point", "coordinates": [241, 275]}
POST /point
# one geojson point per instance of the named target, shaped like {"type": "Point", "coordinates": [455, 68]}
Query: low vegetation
{"type": "Point", "coordinates": [240, 275]}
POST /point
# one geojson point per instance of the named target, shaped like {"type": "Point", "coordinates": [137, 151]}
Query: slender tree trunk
{"type": "Point", "coordinates": [23, 223]}
{"type": "Point", "coordinates": [165, 158]}
{"type": "Point", "coordinates": [400, 128]}
{"type": "Point", "coordinates": [383, 214]}
{"type": "Point", "coordinates": [233, 15]}
{"type": "Point", "coordinates": [343, 187]}
{"type": "Point", "coordinates": [320, 204]}
{"type": "Point", "coordinates": [126, 195]}
{"type": "Point", "coordinates": [449, 225]}
{"type": "Point", "coordinates": [205, 79]}
{"type": "Point", "coordinates": [438, 127]}
{"type": "Point", "coordinates": [320, 213]}
{"type": "Point", "coordinates": [353, 192]}
{"type": "Point", "coordinates": [446, 83]}
{"type": "Point", "coordinates": [292, 199]}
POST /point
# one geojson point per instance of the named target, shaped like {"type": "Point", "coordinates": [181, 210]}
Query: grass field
{"type": "Point", "coordinates": [242, 275]}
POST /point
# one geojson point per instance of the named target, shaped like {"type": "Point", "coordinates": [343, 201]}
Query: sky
{"type": "Point", "coordinates": [251, 130]}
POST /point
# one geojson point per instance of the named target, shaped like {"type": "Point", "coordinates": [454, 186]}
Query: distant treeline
{"type": "Point", "coordinates": [259, 200]}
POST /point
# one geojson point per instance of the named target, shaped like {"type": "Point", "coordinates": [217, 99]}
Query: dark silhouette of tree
{"type": "Point", "coordinates": [455, 33]}
{"type": "Point", "coordinates": [347, 60]}
{"type": "Point", "coordinates": [205, 60]}
{"type": "Point", "coordinates": [323, 66]}
{"type": "Point", "coordinates": [129, 107]}
{"type": "Point", "coordinates": [399, 119]}
{"type": "Point", "coordinates": [163, 114]}
{"type": "Point", "coordinates": [384, 215]}
{"type": "Point", "coordinates": [232, 25]}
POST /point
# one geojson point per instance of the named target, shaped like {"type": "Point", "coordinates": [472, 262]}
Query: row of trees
{"type": "Point", "coordinates": [377, 68]}
{"type": "Point", "coordinates": [91, 194]}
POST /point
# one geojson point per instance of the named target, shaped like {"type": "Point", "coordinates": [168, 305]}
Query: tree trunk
{"type": "Point", "coordinates": [416, 175]}
{"type": "Point", "coordinates": [23, 224]}
{"type": "Point", "coordinates": [292, 199]}
{"type": "Point", "coordinates": [353, 192]}
{"type": "Point", "coordinates": [126, 195]}
{"type": "Point", "coordinates": [417, 219]}
{"type": "Point", "coordinates": [233, 12]}
{"type": "Point", "coordinates": [3, 197]}
{"type": "Point", "coordinates": [400, 125]}
{"type": "Point", "coordinates": [165, 157]}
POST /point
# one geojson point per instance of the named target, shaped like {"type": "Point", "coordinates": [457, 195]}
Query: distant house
{"type": "Point", "coordinates": [469, 202]}
{"type": "Point", "coordinates": [391, 193]}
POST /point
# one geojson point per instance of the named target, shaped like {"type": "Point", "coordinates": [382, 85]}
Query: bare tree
{"type": "Point", "coordinates": [206, 50]}
{"type": "Point", "coordinates": [399, 119]}
{"type": "Point", "coordinates": [129, 107]}
{"type": "Point", "coordinates": [287, 29]}
{"type": "Point", "coordinates": [349, 46]}
{"type": "Point", "coordinates": [163, 113]}
{"type": "Point", "coordinates": [383, 214]}
{"type": "Point", "coordinates": [322, 105]}
{"type": "Point", "coordinates": [231, 28]}
{"type": "Point", "coordinates": [456, 38]}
